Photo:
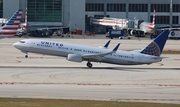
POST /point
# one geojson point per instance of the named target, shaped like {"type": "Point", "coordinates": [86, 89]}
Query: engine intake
{"type": "Point", "coordinates": [74, 57]}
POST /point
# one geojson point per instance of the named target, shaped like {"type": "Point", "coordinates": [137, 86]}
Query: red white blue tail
{"type": "Point", "coordinates": [154, 16]}
{"type": "Point", "coordinates": [14, 21]}
{"type": "Point", "coordinates": [11, 27]}
{"type": "Point", "coordinates": [24, 25]}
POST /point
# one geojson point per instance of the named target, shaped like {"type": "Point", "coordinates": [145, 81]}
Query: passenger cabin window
{"type": "Point", "coordinates": [22, 41]}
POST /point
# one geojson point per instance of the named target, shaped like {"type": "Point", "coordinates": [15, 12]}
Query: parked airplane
{"type": "Point", "coordinates": [129, 25]}
{"type": "Point", "coordinates": [115, 23]}
{"type": "Point", "coordinates": [11, 27]}
{"type": "Point", "coordinates": [78, 53]}
{"type": "Point", "coordinates": [144, 27]}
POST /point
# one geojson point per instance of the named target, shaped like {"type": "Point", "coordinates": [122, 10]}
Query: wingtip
{"type": "Point", "coordinates": [107, 44]}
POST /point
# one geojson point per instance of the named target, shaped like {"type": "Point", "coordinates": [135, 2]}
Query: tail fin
{"type": "Point", "coordinates": [156, 47]}
{"type": "Point", "coordinates": [153, 21]}
{"type": "Point", "coordinates": [25, 24]}
{"type": "Point", "coordinates": [13, 22]}
{"type": "Point", "coordinates": [26, 16]}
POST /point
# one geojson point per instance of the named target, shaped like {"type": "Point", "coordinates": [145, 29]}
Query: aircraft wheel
{"type": "Point", "coordinates": [89, 65]}
{"type": "Point", "coordinates": [26, 56]}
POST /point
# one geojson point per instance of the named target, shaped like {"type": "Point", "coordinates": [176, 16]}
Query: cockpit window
{"type": "Point", "coordinates": [22, 41]}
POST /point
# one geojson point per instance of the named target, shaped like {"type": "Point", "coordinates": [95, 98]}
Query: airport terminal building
{"type": "Point", "coordinates": [76, 13]}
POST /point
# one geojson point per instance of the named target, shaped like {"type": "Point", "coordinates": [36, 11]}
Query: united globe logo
{"type": "Point", "coordinates": [152, 49]}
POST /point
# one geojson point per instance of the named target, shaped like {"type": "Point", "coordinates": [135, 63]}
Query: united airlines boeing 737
{"type": "Point", "coordinates": [78, 53]}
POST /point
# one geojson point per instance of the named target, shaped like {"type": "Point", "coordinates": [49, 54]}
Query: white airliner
{"type": "Point", "coordinates": [78, 53]}
{"type": "Point", "coordinates": [115, 23]}
{"type": "Point", "coordinates": [11, 27]}
{"type": "Point", "coordinates": [144, 27]}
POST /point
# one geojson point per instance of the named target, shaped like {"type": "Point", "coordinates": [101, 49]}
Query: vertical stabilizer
{"type": "Point", "coordinates": [153, 21]}
{"type": "Point", "coordinates": [14, 21]}
{"type": "Point", "coordinates": [156, 47]}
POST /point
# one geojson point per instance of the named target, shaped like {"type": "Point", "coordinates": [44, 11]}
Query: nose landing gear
{"type": "Point", "coordinates": [26, 56]}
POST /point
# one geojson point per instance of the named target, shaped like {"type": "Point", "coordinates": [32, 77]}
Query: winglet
{"type": "Point", "coordinates": [116, 48]}
{"type": "Point", "coordinates": [107, 44]}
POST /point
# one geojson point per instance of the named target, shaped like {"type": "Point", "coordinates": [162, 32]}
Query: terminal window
{"type": "Point", "coordinates": [1, 8]}
{"type": "Point", "coordinates": [161, 19]}
{"type": "Point", "coordinates": [44, 10]}
{"type": "Point", "coordinates": [176, 7]}
{"type": "Point", "coordinates": [175, 20]}
{"type": "Point", "coordinates": [160, 7]}
{"type": "Point", "coordinates": [95, 7]}
{"type": "Point", "coordinates": [114, 7]}
{"type": "Point", "coordinates": [138, 7]}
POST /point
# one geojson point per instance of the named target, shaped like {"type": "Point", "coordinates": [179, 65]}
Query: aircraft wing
{"type": "Point", "coordinates": [170, 29]}
{"type": "Point", "coordinates": [101, 55]}
{"type": "Point", "coordinates": [51, 28]}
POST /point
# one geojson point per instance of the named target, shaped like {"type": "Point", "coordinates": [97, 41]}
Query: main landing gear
{"type": "Point", "coordinates": [89, 64]}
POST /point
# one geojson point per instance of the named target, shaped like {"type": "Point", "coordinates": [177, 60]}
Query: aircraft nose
{"type": "Point", "coordinates": [15, 45]}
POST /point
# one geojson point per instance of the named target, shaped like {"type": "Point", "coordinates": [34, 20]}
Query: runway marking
{"type": "Point", "coordinates": [177, 59]}
{"type": "Point", "coordinates": [8, 83]}
{"type": "Point", "coordinates": [169, 85]}
{"type": "Point", "coordinates": [139, 99]}
{"type": "Point", "coordinates": [38, 57]}
{"type": "Point", "coordinates": [29, 57]}
{"type": "Point", "coordinates": [94, 84]}
{"type": "Point", "coordinates": [88, 84]}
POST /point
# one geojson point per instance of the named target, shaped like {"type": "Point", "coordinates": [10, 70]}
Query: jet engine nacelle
{"type": "Point", "coordinates": [173, 33]}
{"type": "Point", "coordinates": [132, 32]}
{"type": "Point", "coordinates": [74, 57]}
{"type": "Point", "coordinates": [136, 33]}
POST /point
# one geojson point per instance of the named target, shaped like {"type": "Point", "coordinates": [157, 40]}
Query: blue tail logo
{"type": "Point", "coordinates": [156, 47]}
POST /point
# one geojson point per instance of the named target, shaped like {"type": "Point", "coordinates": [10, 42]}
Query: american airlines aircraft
{"type": "Point", "coordinates": [115, 23]}
{"type": "Point", "coordinates": [78, 53]}
{"type": "Point", "coordinates": [144, 27]}
{"type": "Point", "coordinates": [11, 27]}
